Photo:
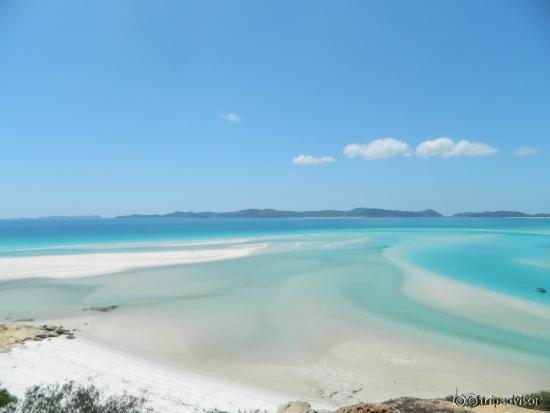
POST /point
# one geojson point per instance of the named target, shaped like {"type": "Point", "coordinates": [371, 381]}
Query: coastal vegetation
{"type": "Point", "coordinates": [544, 400]}
{"type": "Point", "coordinates": [6, 398]}
{"type": "Point", "coordinates": [72, 397]}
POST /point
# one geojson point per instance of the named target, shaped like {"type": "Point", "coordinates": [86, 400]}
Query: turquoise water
{"type": "Point", "coordinates": [317, 279]}
{"type": "Point", "coordinates": [513, 262]}
{"type": "Point", "coordinates": [18, 235]}
{"type": "Point", "coordinates": [511, 256]}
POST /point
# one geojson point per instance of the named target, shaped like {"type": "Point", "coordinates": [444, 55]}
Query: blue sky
{"type": "Point", "coordinates": [153, 106]}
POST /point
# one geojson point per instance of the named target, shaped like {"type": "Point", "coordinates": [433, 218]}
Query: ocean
{"type": "Point", "coordinates": [316, 285]}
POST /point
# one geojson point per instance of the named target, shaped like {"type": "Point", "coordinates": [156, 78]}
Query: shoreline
{"type": "Point", "coordinates": [168, 389]}
{"type": "Point", "coordinates": [383, 354]}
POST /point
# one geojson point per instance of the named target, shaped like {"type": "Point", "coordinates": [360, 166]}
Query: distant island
{"type": "Point", "coordinates": [274, 213]}
{"type": "Point", "coordinates": [334, 213]}
{"type": "Point", "coordinates": [323, 213]}
{"type": "Point", "coordinates": [500, 214]}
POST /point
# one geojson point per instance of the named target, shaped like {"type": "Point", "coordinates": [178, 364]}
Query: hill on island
{"type": "Point", "coordinates": [500, 214]}
{"type": "Point", "coordinates": [274, 213]}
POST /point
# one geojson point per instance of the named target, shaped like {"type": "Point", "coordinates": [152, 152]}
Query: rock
{"type": "Point", "coordinates": [411, 404]}
{"type": "Point", "coordinates": [70, 336]}
{"type": "Point", "coordinates": [12, 335]}
{"type": "Point", "coordinates": [297, 406]}
{"type": "Point", "coordinates": [501, 408]}
{"type": "Point", "coordinates": [370, 408]}
{"type": "Point", "coordinates": [104, 309]}
{"type": "Point", "coordinates": [62, 330]}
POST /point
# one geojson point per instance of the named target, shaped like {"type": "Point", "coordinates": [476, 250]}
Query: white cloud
{"type": "Point", "coordinates": [312, 160]}
{"type": "Point", "coordinates": [446, 148]}
{"type": "Point", "coordinates": [378, 149]}
{"type": "Point", "coordinates": [526, 151]}
{"type": "Point", "coordinates": [231, 117]}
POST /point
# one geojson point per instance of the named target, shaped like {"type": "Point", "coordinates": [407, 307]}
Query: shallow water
{"type": "Point", "coordinates": [317, 284]}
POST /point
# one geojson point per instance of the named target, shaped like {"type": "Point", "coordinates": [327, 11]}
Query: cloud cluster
{"type": "Point", "coordinates": [386, 148]}
{"type": "Point", "coordinates": [312, 160]}
{"type": "Point", "coordinates": [378, 149]}
{"type": "Point", "coordinates": [447, 148]}
{"type": "Point", "coordinates": [526, 151]}
{"type": "Point", "coordinates": [439, 147]}
{"type": "Point", "coordinates": [231, 117]}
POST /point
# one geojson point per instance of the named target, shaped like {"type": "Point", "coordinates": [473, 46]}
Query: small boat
{"type": "Point", "coordinates": [541, 290]}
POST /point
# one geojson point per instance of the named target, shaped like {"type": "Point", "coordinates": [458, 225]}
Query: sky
{"type": "Point", "coordinates": [153, 106]}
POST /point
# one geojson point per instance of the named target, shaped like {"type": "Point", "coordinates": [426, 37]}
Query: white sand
{"type": "Point", "coordinates": [469, 301]}
{"type": "Point", "coordinates": [82, 360]}
{"type": "Point", "coordinates": [169, 390]}
{"type": "Point", "coordinates": [133, 244]}
{"type": "Point", "coordinates": [84, 265]}
{"type": "Point", "coordinates": [424, 366]}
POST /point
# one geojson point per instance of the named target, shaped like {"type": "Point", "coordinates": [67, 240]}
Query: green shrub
{"type": "Point", "coordinates": [74, 398]}
{"type": "Point", "coordinates": [6, 398]}
{"type": "Point", "coordinates": [544, 401]}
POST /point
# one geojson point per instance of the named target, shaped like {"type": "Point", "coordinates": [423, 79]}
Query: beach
{"type": "Point", "coordinates": [168, 390]}
{"type": "Point", "coordinates": [330, 317]}
{"type": "Point", "coordinates": [274, 207]}
{"type": "Point", "coordinates": [114, 372]}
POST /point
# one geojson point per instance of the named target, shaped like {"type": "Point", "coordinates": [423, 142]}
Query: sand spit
{"type": "Point", "coordinates": [83, 265]}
